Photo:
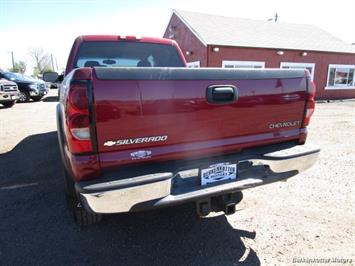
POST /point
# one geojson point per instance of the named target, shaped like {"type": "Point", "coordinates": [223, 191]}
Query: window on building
{"type": "Point", "coordinates": [243, 64]}
{"type": "Point", "coordinates": [341, 77]}
{"type": "Point", "coordinates": [194, 64]}
{"type": "Point", "coordinates": [291, 65]}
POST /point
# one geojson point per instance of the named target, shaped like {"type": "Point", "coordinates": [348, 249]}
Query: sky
{"type": "Point", "coordinates": [53, 25]}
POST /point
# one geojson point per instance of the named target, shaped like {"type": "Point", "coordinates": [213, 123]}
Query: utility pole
{"type": "Point", "coordinates": [275, 18]}
{"type": "Point", "coordinates": [52, 62]}
{"type": "Point", "coordinates": [13, 60]}
{"type": "Point", "coordinates": [56, 63]}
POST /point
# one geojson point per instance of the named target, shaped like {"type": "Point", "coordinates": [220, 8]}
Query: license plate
{"type": "Point", "coordinates": [218, 172]}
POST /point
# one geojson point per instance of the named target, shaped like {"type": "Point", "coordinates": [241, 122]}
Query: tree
{"type": "Point", "coordinates": [42, 60]}
{"type": "Point", "coordinates": [20, 67]}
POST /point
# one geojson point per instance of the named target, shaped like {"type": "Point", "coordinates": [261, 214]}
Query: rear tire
{"type": "Point", "coordinates": [84, 218]}
{"type": "Point", "coordinates": [9, 104]}
{"type": "Point", "coordinates": [24, 97]}
{"type": "Point", "coordinates": [81, 216]}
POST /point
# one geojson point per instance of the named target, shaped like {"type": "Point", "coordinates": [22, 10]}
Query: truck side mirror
{"type": "Point", "coordinates": [50, 76]}
{"type": "Point", "coordinates": [60, 78]}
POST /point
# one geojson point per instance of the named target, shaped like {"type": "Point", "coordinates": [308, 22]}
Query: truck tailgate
{"type": "Point", "coordinates": [146, 114]}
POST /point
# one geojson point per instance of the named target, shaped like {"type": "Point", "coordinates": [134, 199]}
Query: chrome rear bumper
{"type": "Point", "coordinates": [169, 188]}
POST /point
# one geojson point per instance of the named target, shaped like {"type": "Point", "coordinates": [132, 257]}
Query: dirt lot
{"type": "Point", "coordinates": [310, 216]}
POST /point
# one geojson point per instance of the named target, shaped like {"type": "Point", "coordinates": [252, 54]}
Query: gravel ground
{"type": "Point", "coordinates": [309, 217]}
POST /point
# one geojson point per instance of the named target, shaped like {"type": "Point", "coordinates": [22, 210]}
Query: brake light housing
{"type": "Point", "coordinates": [310, 101]}
{"type": "Point", "coordinates": [78, 118]}
{"type": "Point", "coordinates": [128, 37]}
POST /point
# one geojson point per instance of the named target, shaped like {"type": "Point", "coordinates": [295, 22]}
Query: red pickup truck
{"type": "Point", "coordinates": [138, 130]}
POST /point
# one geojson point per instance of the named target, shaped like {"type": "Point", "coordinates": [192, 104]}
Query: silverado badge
{"type": "Point", "coordinates": [120, 142]}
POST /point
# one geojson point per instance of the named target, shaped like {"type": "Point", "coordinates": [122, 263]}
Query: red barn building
{"type": "Point", "coordinates": [218, 41]}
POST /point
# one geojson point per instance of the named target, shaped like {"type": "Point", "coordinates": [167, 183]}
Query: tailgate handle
{"type": "Point", "coordinates": [221, 94]}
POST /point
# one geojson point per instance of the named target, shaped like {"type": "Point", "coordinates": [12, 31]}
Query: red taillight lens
{"type": "Point", "coordinates": [310, 102]}
{"type": "Point", "coordinates": [78, 97]}
{"type": "Point", "coordinates": [78, 121]}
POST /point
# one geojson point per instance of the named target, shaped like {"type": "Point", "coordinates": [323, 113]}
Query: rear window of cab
{"type": "Point", "coordinates": [127, 54]}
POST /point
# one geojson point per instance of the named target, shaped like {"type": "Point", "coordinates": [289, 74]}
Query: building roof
{"type": "Point", "coordinates": [241, 32]}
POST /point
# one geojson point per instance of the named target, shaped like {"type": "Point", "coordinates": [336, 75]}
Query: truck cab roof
{"type": "Point", "coordinates": [125, 37]}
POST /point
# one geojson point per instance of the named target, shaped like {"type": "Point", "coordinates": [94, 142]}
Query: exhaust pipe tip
{"type": "Point", "coordinates": [229, 208]}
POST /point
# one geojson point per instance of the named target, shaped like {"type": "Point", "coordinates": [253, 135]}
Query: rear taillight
{"type": "Point", "coordinates": [128, 37]}
{"type": "Point", "coordinates": [78, 121]}
{"type": "Point", "coordinates": [310, 103]}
